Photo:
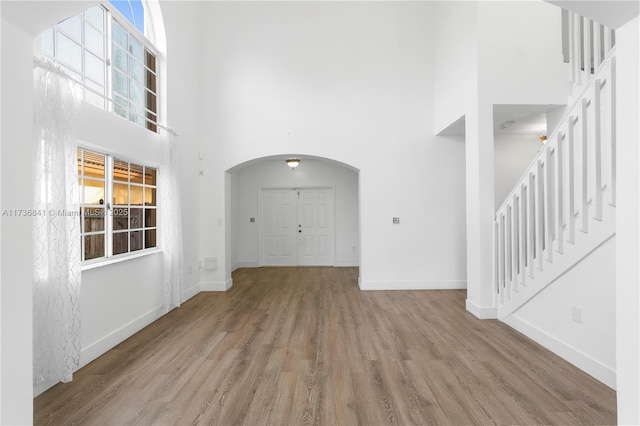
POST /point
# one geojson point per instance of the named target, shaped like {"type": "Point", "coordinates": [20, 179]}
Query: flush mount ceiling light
{"type": "Point", "coordinates": [293, 163]}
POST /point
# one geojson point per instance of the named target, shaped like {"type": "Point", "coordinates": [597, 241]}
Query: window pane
{"type": "Point", "coordinates": [150, 60]}
{"type": "Point", "coordinates": [120, 83]}
{"type": "Point", "coordinates": [120, 170]}
{"type": "Point", "coordinates": [150, 124]}
{"type": "Point", "coordinates": [120, 100]}
{"type": "Point", "coordinates": [150, 238]}
{"type": "Point", "coordinates": [92, 97]}
{"type": "Point", "coordinates": [136, 240]}
{"type": "Point", "coordinates": [121, 111]}
{"type": "Point", "coordinates": [120, 218]}
{"type": "Point", "coordinates": [135, 48]}
{"type": "Point", "coordinates": [120, 194]}
{"type": "Point", "coordinates": [120, 35]}
{"type": "Point", "coordinates": [69, 53]}
{"type": "Point", "coordinates": [136, 173]}
{"type": "Point", "coordinates": [47, 42]}
{"type": "Point", "coordinates": [136, 70]}
{"type": "Point", "coordinates": [149, 218]}
{"type": "Point", "coordinates": [94, 68]}
{"type": "Point", "coordinates": [136, 219]}
{"type": "Point", "coordinates": [136, 195]}
{"type": "Point", "coordinates": [120, 59]}
{"type": "Point", "coordinates": [93, 164]}
{"type": "Point", "coordinates": [136, 93]}
{"type": "Point", "coordinates": [93, 192]}
{"type": "Point", "coordinates": [151, 102]}
{"type": "Point", "coordinates": [136, 114]}
{"type": "Point", "coordinates": [150, 82]}
{"type": "Point", "coordinates": [93, 219]}
{"type": "Point", "coordinates": [94, 40]}
{"type": "Point", "coordinates": [80, 165]}
{"type": "Point", "coordinates": [72, 27]}
{"type": "Point", "coordinates": [95, 16]}
{"type": "Point", "coordinates": [149, 196]}
{"type": "Point", "coordinates": [93, 246]}
{"type": "Point", "coordinates": [149, 176]}
{"type": "Point", "coordinates": [120, 242]}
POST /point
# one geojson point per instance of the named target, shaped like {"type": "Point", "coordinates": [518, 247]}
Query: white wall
{"type": "Point", "coordinates": [520, 53]}
{"type": "Point", "coordinates": [16, 193]}
{"type": "Point", "coordinates": [548, 318]}
{"type": "Point", "coordinates": [456, 60]}
{"type": "Point", "coordinates": [627, 213]}
{"type": "Point", "coordinates": [512, 156]}
{"type": "Point", "coordinates": [347, 81]}
{"type": "Point", "coordinates": [183, 53]}
{"type": "Point", "coordinates": [245, 189]}
{"type": "Point", "coordinates": [119, 299]}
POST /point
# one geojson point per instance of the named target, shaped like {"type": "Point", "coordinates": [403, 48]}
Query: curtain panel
{"type": "Point", "coordinates": [56, 228]}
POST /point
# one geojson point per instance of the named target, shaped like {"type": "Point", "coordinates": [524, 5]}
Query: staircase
{"type": "Point", "coordinates": [563, 207]}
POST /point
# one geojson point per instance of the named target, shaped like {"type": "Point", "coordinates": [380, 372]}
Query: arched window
{"type": "Point", "coordinates": [105, 49]}
{"type": "Point", "coordinates": [133, 10]}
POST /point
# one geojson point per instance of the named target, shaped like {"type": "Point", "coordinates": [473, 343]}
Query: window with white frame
{"type": "Point", "coordinates": [118, 206]}
{"type": "Point", "coordinates": [115, 63]}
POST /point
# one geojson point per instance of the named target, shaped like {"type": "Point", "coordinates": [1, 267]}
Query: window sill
{"type": "Point", "coordinates": [117, 259]}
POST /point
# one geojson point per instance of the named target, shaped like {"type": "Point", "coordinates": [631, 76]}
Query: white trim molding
{"type": "Point", "coordinates": [412, 285]}
{"type": "Point", "coordinates": [482, 312]}
{"type": "Point", "coordinates": [216, 285]}
{"type": "Point", "coordinates": [111, 340]}
{"type": "Point", "coordinates": [593, 367]}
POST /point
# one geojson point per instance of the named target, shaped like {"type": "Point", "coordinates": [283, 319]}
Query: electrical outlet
{"type": "Point", "coordinates": [576, 315]}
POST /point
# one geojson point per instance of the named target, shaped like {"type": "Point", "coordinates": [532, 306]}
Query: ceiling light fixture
{"type": "Point", "coordinates": [293, 163]}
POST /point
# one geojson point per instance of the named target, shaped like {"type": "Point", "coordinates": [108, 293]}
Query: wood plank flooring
{"type": "Point", "coordinates": [293, 346]}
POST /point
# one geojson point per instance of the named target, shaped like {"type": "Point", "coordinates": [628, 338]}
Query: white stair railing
{"type": "Point", "coordinates": [585, 45]}
{"type": "Point", "coordinates": [563, 206]}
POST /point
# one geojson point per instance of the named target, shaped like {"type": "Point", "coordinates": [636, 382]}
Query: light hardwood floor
{"type": "Point", "coordinates": [290, 346]}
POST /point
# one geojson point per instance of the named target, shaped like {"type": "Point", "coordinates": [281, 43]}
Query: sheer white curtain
{"type": "Point", "coordinates": [170, 218]}
{"type": "Point", "coordinates": [56, 228]}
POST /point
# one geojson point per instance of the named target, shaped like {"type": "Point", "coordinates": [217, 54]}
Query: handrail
{"type": "Point", "coordinates": [562, 122]}
{"type": "Point", "coordinates": [561, 192]}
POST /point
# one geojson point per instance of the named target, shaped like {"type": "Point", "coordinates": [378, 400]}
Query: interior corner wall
{"type": "Point", "coordinates": [590, 288]}
{"type": "Point", "coordinates": [313, 173]}
{"type": "Point", "coordinates": [512, 155]}
{"type": "Point", "coordinates": [16, 145]}
{"type": "Point", "coordinates": [349, 81]}
{"type": "Point", "coordinates": [183, 96]}
{"type": "Point", "coordinates": [456, 60]}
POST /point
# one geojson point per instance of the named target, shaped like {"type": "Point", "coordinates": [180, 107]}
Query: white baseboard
{"type": "Point", "coordinates": [604, 373]}
{"type": "Point", "coordinates": [102, 345]}
{"type": "Point", "coordinates": [239, 265]}
{"type": "Point", "coordinates": [481, 312]}
{"type": "Point", "coordinates": [216, 285]}
{"type": "Point", "coordinates": [412, 285]}
{"type": "Point", "coordinates": [190, 292]}
{"type": "Point", "coordinates": [346, 264]}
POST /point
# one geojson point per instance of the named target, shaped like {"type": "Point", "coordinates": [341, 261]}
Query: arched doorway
{"type": "Point", "coordinates": [329, 198]}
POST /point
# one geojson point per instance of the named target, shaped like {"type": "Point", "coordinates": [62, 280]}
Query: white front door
{"type": "Point", "coordinates": [315, 227]}
{"type": "Point", "coordinates": [297, 227]}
